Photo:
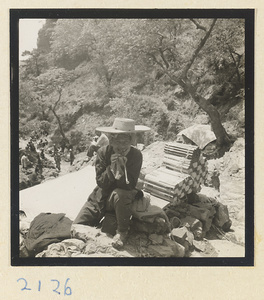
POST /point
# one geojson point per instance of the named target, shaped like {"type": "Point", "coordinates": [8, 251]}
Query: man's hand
{"type": "Point", "coordinates": [122, 160]}
{"type": "Point", "coordinates": [118, 159]}
{"type": "Point", "coordinates": [114, 158]}
{"type": "Point", "coordinates": [118, 163]}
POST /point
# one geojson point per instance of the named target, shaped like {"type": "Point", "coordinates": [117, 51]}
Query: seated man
{"type": "Point", "coordinates": [97, 143]}
{"type": "Point", "coordinates": [117, 171]}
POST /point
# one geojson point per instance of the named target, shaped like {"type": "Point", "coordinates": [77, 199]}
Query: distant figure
{"type": "Point", "coordinates": [24, 161]}
{"type": "Point", "coordinates": [55, 149]}
{"type": "Point", "coordinates": [31, 146]}
{"type": "Point", "coordinates": [36, 135]}
{"type": "Point", "coordinates": [42, 155]}
{"type": "Point", "coordinates": [57, 159]}
{"type": "Point", "coordinates": [215, 180]}
{"type": "Point", "coordinates": [63, 144]}
{"type": "Point", "coordinates": [39, 167]}
{"type": "Point", "coordinates": [71, 157]}
{"type": "Point", "coordinates": [97, 143]}
{"type": "Point", "coordinates": [93, 147]}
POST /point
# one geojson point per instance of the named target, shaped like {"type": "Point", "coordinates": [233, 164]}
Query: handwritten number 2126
{"type": "Point", "coordinates": [67, 289]}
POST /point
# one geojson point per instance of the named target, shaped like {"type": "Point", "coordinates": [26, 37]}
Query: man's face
{"type": "Point", "coordinates": [121, 143]}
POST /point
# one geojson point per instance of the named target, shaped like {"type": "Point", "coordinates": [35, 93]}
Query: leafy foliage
{"type": "Point", "coordinates": [133, 68]}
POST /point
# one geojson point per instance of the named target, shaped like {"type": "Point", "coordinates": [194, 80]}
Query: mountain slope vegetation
{"type": "Point", "coordinates": [164, 73]}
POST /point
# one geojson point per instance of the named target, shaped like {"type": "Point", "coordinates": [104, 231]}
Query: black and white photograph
{"type": "Point", "coordinates": [132, 139]}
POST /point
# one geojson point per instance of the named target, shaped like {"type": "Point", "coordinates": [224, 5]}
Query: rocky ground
{"type": "Point", "coordinates": [216, 242]}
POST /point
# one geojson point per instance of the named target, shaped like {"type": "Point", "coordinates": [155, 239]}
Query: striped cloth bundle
{"type": "Point", "coordinates": [182, 172]}
{"type": "Point", "coordinates": [198, 171]}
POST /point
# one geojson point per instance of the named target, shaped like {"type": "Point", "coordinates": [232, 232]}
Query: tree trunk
{"type": "Point", "coordinates": [222, 138]}
{"type": "Point", "coordinates": [59, 122]}
{"type": "Point", "coordinates": [53, 109]}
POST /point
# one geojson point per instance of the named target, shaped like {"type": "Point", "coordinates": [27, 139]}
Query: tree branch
{"type": "Point", "coordinates": [163, 58]}
{"type": "Point", "coordinates": [198, 26]}
{"type": "Point", "coordinates": [198, 49]}
{"type": "Point", "coordinates": [235, 62]}
{"type": "Point", "coordinates": [156, 61]}
{"type": "Point", "coordinates": [56, 103]}
{"type": "Point", "coordinates": [161, 51]}
{"type": "Point", "coordinates": [172, 78]}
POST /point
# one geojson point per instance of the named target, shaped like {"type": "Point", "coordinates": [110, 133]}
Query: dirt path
{"type": "Point", "coordinates": [64, 194]}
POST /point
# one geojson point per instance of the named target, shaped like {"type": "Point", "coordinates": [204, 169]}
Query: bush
{"type": "Point", "coordinates": [45, 126]}
{"type": "Point", "coordinates": [32, 116]}
{"type": "Point", "coordinates": [144, 109]}
{"type": "Point", "coordinates": [162, 123]}
{"type": "Point", "coordinates": [170, 103]}
{"type": "Point", "coordinates": [56, 137]}
{"type": "Point", "coordinates": [173, 128]}
{"type": "Point", "coordinates": [77, 140]}
{"type": "Point", "coordinates": [25, 130]}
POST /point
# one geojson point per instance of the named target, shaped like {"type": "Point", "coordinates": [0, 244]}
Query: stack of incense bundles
{"type": "Point", "coordinates": [182, 172]}
{"type": "Point", "coordinates": [168, 184]}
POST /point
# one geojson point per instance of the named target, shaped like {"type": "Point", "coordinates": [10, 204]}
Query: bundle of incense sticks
{"type": "Point", "coordinates": [182, 150]}
{"type": "Point", "coordinates": [180, 165]}
{"type": "Point", "coordinates": [167, 184]}
{"type": "Point", "coordinates": [165, 180]}
{"type": "Point", "coordinates": [179, 157]}
{"type": "Point", "coordinates": [183, 171]}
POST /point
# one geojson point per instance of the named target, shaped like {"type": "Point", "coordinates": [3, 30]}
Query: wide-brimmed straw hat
{"type": "Point", "coordinates": [123, 125]}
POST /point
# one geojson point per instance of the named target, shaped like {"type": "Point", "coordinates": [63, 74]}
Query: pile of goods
{"type": "Point", "coordinates": [178, 181]}
{"type": "Point", "coordinates": [183, 171]}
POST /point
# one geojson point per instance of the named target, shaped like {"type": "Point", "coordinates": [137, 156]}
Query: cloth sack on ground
{"type": "Point", "coordinates": [143, 210]}
{"type": "Point", "coordinates": [45, 229]}
{"type": "Point", "coordinates": [66, 248]}
{"type": "Point", "coordinates": [221, 218]}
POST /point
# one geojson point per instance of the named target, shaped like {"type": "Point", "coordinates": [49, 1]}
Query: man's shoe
{"type": "Point", "coordinates": [119, 239]}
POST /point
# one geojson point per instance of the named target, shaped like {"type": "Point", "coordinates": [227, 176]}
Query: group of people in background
{"type": "Point", "coordinates": [30, 150]}
{"type": "Point", "coordinates": [38, 152]}
{"type": "Point", "coordinates": [58, 152]}
{"type": "Point", "coordinates": [36, 135]}
{"type": "Point", "coordinates": [38, 146]}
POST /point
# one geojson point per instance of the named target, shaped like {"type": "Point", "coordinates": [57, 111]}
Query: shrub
{"type": "Point", "coordinates": [162, 123]}
{"type": "Point", "coordinates": [32, 116]}
{"type": "Point", "coordinates": [77, 139]}
{"type": "Point", "coordinates": [144, 109]}
{"type": "Point", "coordinates": [25, 130]}
{"type": "Point", "coordinates": [45, 126]}
{"type": "Point", "coordinates": [56, 137]}
{"type": "Point", "coordinates": [173, 128]}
